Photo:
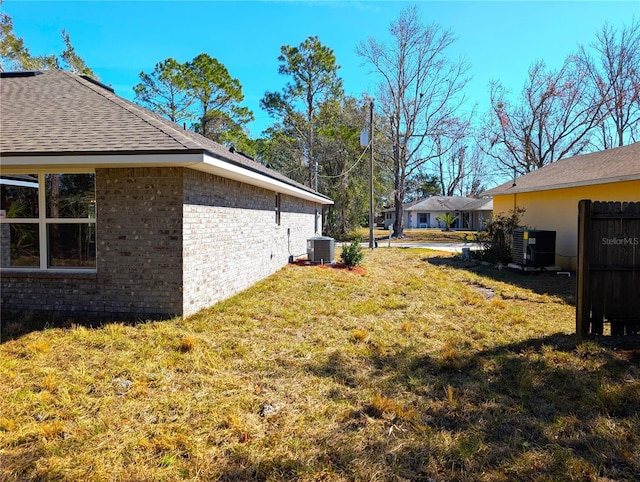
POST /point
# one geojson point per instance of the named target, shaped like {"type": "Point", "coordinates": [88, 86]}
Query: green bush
{"type": "Point", "coordinates": [352, 254]}
{"type": "Point", "coordinates": [497, 236]}
{"type": "Point", "coordinates": [448, 219]}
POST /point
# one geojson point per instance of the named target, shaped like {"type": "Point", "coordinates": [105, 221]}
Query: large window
{"type": "Point", "coordinates": [48, 221]}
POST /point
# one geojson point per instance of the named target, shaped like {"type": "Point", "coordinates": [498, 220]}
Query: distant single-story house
{"type": "Point", "coordinates": [109, 210]}
{"type": "Point", "coordinates": [471, 213]}
{"type": "Point", "coordinates": [550, 195]}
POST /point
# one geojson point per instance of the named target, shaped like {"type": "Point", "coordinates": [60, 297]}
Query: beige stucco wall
{"type": "Point", "coordinates": [557, 210]}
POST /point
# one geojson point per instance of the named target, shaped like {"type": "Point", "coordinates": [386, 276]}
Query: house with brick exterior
{"type": "Point", "coordinates": [110, 211]}
{"type": "Point", "coordinates": [550, 195]}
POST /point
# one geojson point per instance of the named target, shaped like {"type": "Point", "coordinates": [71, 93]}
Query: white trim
{"type": "Point", "coordinates": [32, 270]}
{"type": "Point", "coordinates": [70, 220]}
{"type": "Point", "coordinates": [225, 169]}
{"type": "Point", "coordinates": [43, 222]}
{"type": "Point", "coordinates": [70, 164]}
{"type": "Point", "coordinates": [43, 250]}
{"type": "Point", "coordinates": [5, 220]}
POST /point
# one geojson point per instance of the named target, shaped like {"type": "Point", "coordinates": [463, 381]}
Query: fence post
{"type": "Point", "coordinates": [583, 302]}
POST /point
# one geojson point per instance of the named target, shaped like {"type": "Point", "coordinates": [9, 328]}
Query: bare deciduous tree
{"type": "Point", "coordinates": [420, 91]}
{"type": "Point", "coordinates": [553, 118]}
{"type": "Point", "coordinates": [461, 171]}
{"type": "Point", "coordinates": [476, 177]}
{"type": "Point", "coordinates": [614, 73]}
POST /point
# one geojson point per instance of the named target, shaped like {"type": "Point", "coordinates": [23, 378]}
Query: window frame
{"type": "Point", "coordinates": [426, 216]}
{"type": "Point", "coordinates": [278, 209]}
{"type": "Point", "coordinates": [43, 222]}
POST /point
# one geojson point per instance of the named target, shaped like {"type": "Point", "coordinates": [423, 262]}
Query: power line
{"type": "Point", "coordinates": [352, 167]}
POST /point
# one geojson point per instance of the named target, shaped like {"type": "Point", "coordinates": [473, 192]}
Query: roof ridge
{"type": "Point", "coordinates": [130, 107]}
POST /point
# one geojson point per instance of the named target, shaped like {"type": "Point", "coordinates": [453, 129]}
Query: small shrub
{"type": "Point", "coordinates": [448, 219]}
{"type": "Point", "coordinates": [497, 237]}
{"type": "Point", "coordinates": [352, 254]}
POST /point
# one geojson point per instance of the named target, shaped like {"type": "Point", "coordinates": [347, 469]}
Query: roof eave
{"type": "Point", "coordinates": [219, 167]}
{"type": "Point", "coordinates": [200, 160]}
{"type": "Point", "coordinates": [41, 161]}
{"type": "Point", "coordinates": [591, 182]}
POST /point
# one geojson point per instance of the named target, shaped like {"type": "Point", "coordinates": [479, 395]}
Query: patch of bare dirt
{"type": "Point", "coordinates": [488, 293]}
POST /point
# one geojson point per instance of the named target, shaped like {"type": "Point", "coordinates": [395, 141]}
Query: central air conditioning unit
{"type": "Point", "coordinates": [320, 249]}
{"type": "Point", "coordinates": [534, 247]}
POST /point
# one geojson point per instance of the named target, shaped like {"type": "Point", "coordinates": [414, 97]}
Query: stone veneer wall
{"type": "Point", "coordinates": [139, 254]}
{"type": "Point", "coordinates": [139, 236]}
{"type": "Point", "coordinates": [231, 239]}
{"type": "Point", "coordinates": [5, 244]}
{"type": "Point", "coordinates": [72, 294]}
{"type": "Point", "coordinates": [170, 241]}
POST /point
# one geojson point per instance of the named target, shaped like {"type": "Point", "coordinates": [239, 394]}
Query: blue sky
{"type": "Point", "coordinates": [119, 39]}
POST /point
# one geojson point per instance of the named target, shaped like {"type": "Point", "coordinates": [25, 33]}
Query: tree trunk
{"type": "Point", "coordinates": [398, 225]}
{"type": "Point", "coordinates": [311, 160]}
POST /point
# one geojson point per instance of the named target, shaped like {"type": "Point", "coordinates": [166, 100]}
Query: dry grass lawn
{"type": "Point", "coordinates": [422, 368]}
{"type": "Point", "coordinates": [417, 235]}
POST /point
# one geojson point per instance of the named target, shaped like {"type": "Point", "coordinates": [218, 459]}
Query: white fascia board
{"type": "Point", "coordinates": [195, 160]}
{"type": "Point", "coordinates": [85, 163]}
{"type": "Point", "coordinates": [225, 169]}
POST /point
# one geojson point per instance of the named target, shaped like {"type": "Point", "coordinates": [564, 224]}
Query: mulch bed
{"type": "Point", "coordinates": [337, 265]}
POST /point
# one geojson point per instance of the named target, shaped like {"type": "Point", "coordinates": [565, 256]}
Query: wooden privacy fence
{"type": "Point", "coordinates": [608, 267]}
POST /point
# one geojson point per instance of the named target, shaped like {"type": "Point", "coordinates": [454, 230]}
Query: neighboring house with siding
{"type": "Point", "coordinates": [110, 211]}
{"type": "Point", "coordinates": [472, 214]}
{"type": "Point", "coordinates": [550, 195]}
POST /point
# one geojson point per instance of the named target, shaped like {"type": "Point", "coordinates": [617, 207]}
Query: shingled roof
{"type": "Point", "coordinates": [611, 165]}
{"type": "Point", "coordinates": [59, 115]}
{"type": "Point", "coordinates": [451, 203]}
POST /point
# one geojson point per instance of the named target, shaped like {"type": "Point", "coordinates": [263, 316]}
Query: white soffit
{"type": "Point", "coordinates": [225, 169]}
{"type": "Point", "coordinates": [85, 163]}
{"type": "Point", "coordinates": [194, 160]}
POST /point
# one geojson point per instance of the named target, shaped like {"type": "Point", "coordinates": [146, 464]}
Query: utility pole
{"type": "Point", "coordinates": [371, 214]}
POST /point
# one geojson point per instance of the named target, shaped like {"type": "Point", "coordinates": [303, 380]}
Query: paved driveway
{"type": "Point", "coordinates": [449, 247]}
